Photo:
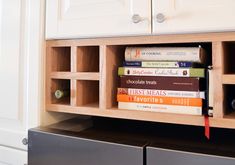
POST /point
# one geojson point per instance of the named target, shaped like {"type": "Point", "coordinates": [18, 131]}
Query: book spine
{"type": "Point", "coordinates": [160, 100]}
{"type": "Point", "coordinates": [189, 110]}
{"type": "Point", "coordinates": [132, 63]}
{"type": "Point", "coordinates": [166, 72]}
{"type": "Point", "coordinates": [166, 64]}
{"type": "Point", "coordinates": [163, 54]}
{"type": "Point", "coordinates": [210, 90]}
{"type": "Point", "coordinates": [162, 83]}
{"type": "Point", "coordinates": [162, 93]}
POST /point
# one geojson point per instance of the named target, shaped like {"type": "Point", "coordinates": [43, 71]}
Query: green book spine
{"type": "Point", "coordinates": [196, 72]}
{"type": "Point", "coordinates": [168, 72]}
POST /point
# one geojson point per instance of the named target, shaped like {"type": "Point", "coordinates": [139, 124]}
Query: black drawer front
{"type": "Point", "coordinates": [158, 156]}
{"type": "Point", "coordinates": [53, 149]}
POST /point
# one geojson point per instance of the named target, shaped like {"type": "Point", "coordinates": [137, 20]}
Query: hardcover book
{"type": "Point", "coordinates": [162, 93]}
{"type": "Point", "coordinates": [163, 83]}
{"type": "Point", "coordinates": [193, 54]}
{"type": "Point", "coordinates": [189, 110]}
{"type": "Point", "coordinates": [197, 102]}
{"type": "Point", "coordinates": [166, 72]}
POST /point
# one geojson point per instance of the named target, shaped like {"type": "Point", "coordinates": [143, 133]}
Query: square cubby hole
{"type": "Point", "coordinates": [61, 59]}
{"type": "Point", "coordinates": [229, 100]}
{"type": "Point", "coordinates": [88, 59]}
{"type": "Point", "coordinates": [229, 57]}
{"type": "Point", "coordinates": [88, 93]}
{"type": "Point", "coordinates": [60, 91]}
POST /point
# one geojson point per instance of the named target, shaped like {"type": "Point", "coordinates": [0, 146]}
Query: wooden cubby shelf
{"type": "Point", "coordinates": [75, 75]}
{"type": "Point", "coordinates": [228, 79]}
{"type": "Point", "coordinates": [89, 69]}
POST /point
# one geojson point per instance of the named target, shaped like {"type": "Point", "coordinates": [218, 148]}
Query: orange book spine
{"type": "Point", "coordinates": [160, 100]}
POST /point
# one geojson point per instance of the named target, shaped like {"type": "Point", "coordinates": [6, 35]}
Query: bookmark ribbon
{"type": "Point", "coordinates": [207, 127]}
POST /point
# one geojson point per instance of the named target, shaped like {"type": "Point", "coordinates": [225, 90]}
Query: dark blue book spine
{"type": "Point", "coordinates": [132, 63]}
{"type": "Point", "coordinates": [185, 64]}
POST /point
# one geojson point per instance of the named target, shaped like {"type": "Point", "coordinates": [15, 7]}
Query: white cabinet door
{"type": "Point", "coordinates": [9, 156]}
{"type": "Point", "coordinates": [19, 76]}
{"type": "Point", "coordinates": [86, 18]}
{"type": "Point", "coordinates": [183, 16]}
{"type": "Point", "coordinates": [13, 77]}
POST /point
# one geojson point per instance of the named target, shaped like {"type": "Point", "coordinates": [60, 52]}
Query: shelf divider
{"type": "Point", "coordinates": [143, 115]}
{"type": "Point", "coordinates": [73, 59]}
{"type": "Point", "coordinates": [73, 94]}
{"type": "Point", "coordinates": [47, 76]}
{"type": "Point", "coordinates": [103, 77]}
{"type": "Point", "coordinates": [73, 82]}
{"type": "Point", "coordinates": [217, 60]}
{"type": "Point", "coordinates": [228, 79]}
{"type": "Point", "coordinates": [77, 76]}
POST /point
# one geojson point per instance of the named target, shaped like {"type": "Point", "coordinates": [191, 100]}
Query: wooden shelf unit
{"type": "Point", "coordinates": [91, 72]}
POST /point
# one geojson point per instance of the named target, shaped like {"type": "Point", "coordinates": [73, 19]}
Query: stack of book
{"type": "Point", "coordinates": [163, 79]}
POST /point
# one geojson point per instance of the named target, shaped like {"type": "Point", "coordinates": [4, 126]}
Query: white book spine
{"type": "Point", "coordinates": [189, 110]}
{"type": "Point", "coordinates": [211, 87]}
{"type": "Point", "coordinates": [164, 93]}
{"type": "Point", "coordinates": [159, 64]}
{"type": "Point", "coordinates": [163, 54]}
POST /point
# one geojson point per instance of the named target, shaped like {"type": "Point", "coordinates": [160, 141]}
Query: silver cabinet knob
{"type": "Point", "coordinates": [136, 18]}
{"type": "Point", "coordinates": [160, 17]}
{"type": "Point", "coordinates": [25, 141]}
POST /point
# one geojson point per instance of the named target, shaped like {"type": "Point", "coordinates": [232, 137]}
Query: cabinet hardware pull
{"type": "Point", "coordinates": [160, 17]}
{"type": "Point", "coordinates": [136, 18]}
{"type": "Point", "coordinates": [25, 141]}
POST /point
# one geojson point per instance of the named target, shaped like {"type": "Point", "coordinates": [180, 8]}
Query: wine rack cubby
{"type": "Point", "coordinates": [74, 69]}
{"type": "Point", "coordinates": [88, 59]}
{"type": "Point", "coordinates": [61, 59]}
{"type": "Point", "coordinates": [90, 67]}
{"type": "Point", "coordinates": [229, 57]}
{"type": "Point", "coordinates": [229, 96]}
{"type": "Point", "coordinates": [63, 85]}
{"type": "Point", "coordinates": [88, 93]}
